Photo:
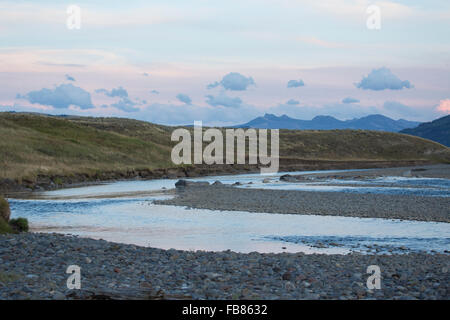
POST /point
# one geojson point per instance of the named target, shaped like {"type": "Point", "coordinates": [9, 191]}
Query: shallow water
{"type": "Point", "coordinates": [124, 212]}
{"type": "Point", "coordinates": [384, 185]}
{"type": "Point", "coordinates": [427, 187]}
{"type": "Point", "coordinates": [137, 186]}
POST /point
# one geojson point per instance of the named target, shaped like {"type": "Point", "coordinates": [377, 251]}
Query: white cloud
{"type": "Point", "coordinates": [400, 109]}
{"type": "Point", "coordinates": [292, 102]}
{"type": "Point", "coordinates": [382, 79]}
{"type": "Point", "coordinates": [62, 97]}
{"type": "Point", "coordinates": [321, 43]}
{"type": "Point", "coordinates": [295, 83]}
{"type": "Point", "coordinates": [69, 77]}
{"type": "Point", "coordinates": [356, 9]}
{"type": "Point", "coordinates": [233, 81]}
{"type": "Point", "coordinates": [444, 106]}
{"type": "Point", "coordinates": [115, 92]}
{"type": "Point", "coordinates": [184, 98]}
{"type": "Point", "coordinates": [28, 59]}
{"type": "Point", "coordinates": [350, 100]}
{"type": "Point", "coordinates": [12, 13]}
{"type": "Point", "coordinates": [223, 100]}
{"type": "Point", "coordinates": [126, 105]}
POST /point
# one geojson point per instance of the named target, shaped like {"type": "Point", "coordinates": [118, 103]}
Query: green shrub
{"type": "Point", "coordinates": [6, 277]}
{"type": "Point", "coordinates": [19, 224]}
{"type": "Point", "coordinates": [4, 209]}
{"type": "Point", "coordinates": [5, 227]}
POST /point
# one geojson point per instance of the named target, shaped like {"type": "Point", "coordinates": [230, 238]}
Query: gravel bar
{"type": "Point", "coordinates": [405, 207]}
{"type": "Point", "coordinates": [33, 266]}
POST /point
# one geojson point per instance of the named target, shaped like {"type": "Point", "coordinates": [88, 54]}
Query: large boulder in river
{"type": "Point", "coordinates": [288, 178]}
{"type": "Point", "coordinates": [5, 212]}
{"type": "Point", "coordinates": [186, 183]}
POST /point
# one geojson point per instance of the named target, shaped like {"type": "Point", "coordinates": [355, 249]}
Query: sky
{"type": "Point", "coordinates": [226, 62]}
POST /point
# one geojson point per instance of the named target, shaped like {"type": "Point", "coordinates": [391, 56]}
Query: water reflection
{"type": "Point", "coordinates": [139, 221]}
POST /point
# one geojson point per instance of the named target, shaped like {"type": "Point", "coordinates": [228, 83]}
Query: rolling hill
{"type": "Point", "coordinates": [437, 130]}
{"type": "Point", "coordinates": [53, 150]}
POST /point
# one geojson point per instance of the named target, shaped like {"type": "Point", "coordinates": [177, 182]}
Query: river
{"type": "Point", "coordinates": [124, 212]}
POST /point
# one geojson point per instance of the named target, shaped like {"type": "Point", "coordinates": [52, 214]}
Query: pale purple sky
{"type": "Point", "coordinates": [226, 62]}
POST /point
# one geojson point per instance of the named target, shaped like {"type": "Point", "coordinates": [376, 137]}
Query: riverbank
{"type": "Point", "coordinates": [407, 207]}
{"type": "Point", "coordinates": [45, 182]}
{"type": "Point", "coordinates": [33, 266]}
{"type": "Point", "coordinates": [41, 151]}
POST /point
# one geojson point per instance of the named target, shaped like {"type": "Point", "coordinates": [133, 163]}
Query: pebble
{"type": "Point", "coordinates": [389, 206]}
{"type": "Point", "coordinates": [123, 271]}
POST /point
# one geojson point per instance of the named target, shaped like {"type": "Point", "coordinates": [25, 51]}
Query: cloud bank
{"type": "Point", "coordinates": [115, 92]}
{"type": "Point", "coordinates": [292, 102]}
{"type": "Point", "coordinates": [223, 100]}
{"type": "Point", "coordinates": [126, 105]}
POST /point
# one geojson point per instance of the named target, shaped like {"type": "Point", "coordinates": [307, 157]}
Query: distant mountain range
{"type": "Point", "coordinates": [437, 130]}
{"type": "Point", "coordinates": [371, 122]}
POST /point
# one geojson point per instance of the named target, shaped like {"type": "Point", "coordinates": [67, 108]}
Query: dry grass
{"type": "Point", "coordinates": [33, 144]}
{"type": "Point", "coordinates": [6, 277]}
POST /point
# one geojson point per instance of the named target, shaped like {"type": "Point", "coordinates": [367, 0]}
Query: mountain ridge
{"type": "Point", "coordinates": [437, 130]}
{"type": "Point", "coordinates": [325, 122]}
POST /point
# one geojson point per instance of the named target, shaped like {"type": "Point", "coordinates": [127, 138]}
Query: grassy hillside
{"type": "Point", "coordinates": [36, 144]}
{"type": "Point", "coordinates": [354, 145]}
{"type": "Point", "coordinates": [33, 145]}
{"type": "Point", "coordinates": [437, 130]}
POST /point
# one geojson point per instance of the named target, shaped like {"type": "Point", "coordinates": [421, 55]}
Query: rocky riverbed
{"type": "Point", "coordinates": [220, 197]}
{"type": "Point", "coordinates": [33, 266]}
{"type": "Point", "coordinates": [370, 205]}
